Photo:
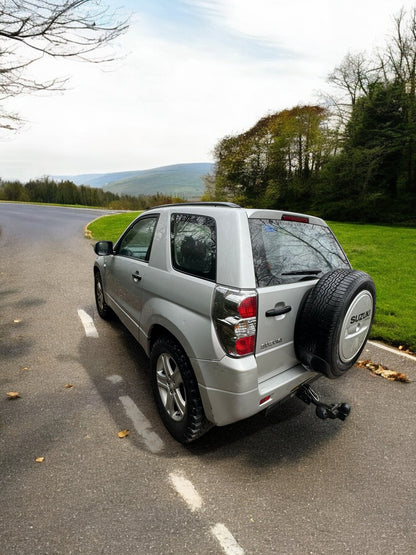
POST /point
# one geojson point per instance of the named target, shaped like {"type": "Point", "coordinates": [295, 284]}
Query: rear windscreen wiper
{"type": "Point", "coordinates": [302, 273]}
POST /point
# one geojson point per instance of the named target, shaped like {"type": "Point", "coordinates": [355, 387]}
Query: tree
{"type": "Point", "coordinates": [399, 65]}
{"type": "Point", "coordinates": [353, 77]}
{"type": "Point", "coordinates": [33, 29]}
{"type": "Point", "coordinates": [374, 175]}
{"type": "Point", "coordinates": [378, 126]}
{"type": "Point", "coordinates": [363, 181]}
{"type": "Point", "coordinates": [275, 162]}
{"type": "Point", "coordinates": [13, 190]}
{"type": "Point", "coordinates": [390, 79]}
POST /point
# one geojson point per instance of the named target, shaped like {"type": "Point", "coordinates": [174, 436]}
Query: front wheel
{"type": "Point", "coordinates": [103, 309]}
{"type": "Point", "coordinates": [176, 391]}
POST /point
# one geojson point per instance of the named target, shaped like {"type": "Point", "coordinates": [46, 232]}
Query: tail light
{"type": "Point", "coordinates": [235, 319]}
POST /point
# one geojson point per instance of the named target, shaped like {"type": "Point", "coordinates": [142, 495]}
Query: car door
{"type": "Point", "coordinates": [128, 267]}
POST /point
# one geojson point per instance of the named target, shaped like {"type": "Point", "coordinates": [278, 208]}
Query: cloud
{"type": "Point", "coordinates": [194, 71]}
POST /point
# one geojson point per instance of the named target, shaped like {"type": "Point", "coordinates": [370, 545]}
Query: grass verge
{"type": "Point", "coordinates": [110, 227]}
{"type": "Point", "coordinates": [386, 253]}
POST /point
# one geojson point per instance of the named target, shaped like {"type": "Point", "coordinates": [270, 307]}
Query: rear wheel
{"type": "Point", "coordinates": [334, 321]}
{"type": "Point", "coordinates": [176, 391]}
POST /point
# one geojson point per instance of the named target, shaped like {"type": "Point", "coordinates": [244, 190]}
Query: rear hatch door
{"type": "Point", "coordinates": [278, 307]}
{"type": "Point", "coordinates": [290, 253]}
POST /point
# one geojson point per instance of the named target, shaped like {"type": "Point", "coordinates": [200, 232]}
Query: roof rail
{"type": "Point", "coordinates": [198, 203]}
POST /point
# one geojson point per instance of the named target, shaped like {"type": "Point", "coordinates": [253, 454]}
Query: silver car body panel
{"type": "Point", "coordinates": [164, 298]}
{"type": "Point", "coordinates": [275, 351]}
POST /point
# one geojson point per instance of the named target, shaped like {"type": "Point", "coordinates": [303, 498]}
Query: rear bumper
{"type": "Point", "coordinates": [240, 395]}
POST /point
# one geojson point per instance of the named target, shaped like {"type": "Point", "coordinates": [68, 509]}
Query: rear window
{"type": "Point", "coordinates": [287, 251]}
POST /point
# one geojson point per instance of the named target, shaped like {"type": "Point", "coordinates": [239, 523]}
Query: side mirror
{"type": "Point", "coordinates": [103, 248]}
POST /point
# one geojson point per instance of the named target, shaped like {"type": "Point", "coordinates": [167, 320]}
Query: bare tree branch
{"type": "Point", "coordinates": [399, 60]}
{"type": "Point", "coordinates": [33, 29]}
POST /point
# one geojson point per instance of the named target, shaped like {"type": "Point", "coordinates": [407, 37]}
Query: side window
{"type": "Point", "coordinates": [137, 242]}
{"type": "Point", "coordinates": [194, 245]}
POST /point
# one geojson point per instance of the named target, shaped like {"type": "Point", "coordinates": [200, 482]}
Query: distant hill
{"type": "Point", "coordinates": [184, 180]}
{"type": "Point", "coordinates": [98, 180]}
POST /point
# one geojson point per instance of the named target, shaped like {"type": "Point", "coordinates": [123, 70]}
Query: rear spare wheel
{"type": "Point", "coordinates": [334, 321]}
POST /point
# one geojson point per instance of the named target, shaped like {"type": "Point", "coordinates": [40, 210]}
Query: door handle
{"type": "Point", "coordinates": [278, 311]}
{"type": "Point", "coordinates": [136, 277]}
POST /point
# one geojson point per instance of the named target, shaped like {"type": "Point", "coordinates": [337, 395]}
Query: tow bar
{"type": "Point", "coordinates": [323, 410]}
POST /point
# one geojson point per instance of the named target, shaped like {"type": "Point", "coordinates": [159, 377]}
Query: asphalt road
{"type": "Point", "coordinates": [282, 482]}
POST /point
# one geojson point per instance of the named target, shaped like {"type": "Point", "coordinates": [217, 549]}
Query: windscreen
{"type": "Point", "coordinates": [289, 251]}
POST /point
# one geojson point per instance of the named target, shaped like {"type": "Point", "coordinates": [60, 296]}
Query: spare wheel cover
{"type": "Point", "coordinates": [355, 327]}
{"type": "Point", "coordinates": [334, 321]}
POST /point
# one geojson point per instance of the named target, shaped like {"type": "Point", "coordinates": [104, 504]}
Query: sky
{"type": "Point", "coordinates": [187, 73]}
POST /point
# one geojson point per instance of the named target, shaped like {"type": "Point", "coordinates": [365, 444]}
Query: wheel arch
{"type": "Point", "coordinates": [178, 324]}
{"type": "Point", "coordinates": [166, 329]}
{"type": "Point", "coordinates": [160, 330]}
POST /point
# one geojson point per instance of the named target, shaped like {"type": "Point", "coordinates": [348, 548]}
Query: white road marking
{"type": "Point", "coordinates": [187, 491]}
{"type": "Point", "coordinates": [87, 322]}
{"type": "Point", "coordinates": [115, 379]}
{"type": "Point", "coordinates": [142, 425]}
{"type": "Point", "coordinates": [154, 443]}
{"type": "Point", "coordinates": [391, 350]}
{"type": "Point", "coordinates": [227, 541]}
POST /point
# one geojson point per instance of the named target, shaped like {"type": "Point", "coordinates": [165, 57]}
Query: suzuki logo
{"type": "Point", "coordinates": [359, 317]}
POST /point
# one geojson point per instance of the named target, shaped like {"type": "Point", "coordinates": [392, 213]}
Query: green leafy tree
{"type": "Point", "coordinates": [364, 180]}
{"type": "Point", "coordinates": [13, 191]}
{"type": "Point", "coordinates": [276, 162]}
{"type": "Point", "coordinates": [398, 63]}
{"type": "Point", "coordinates": [378, 125]}
{"type": "Point", "coordinates": [67, 193]}
{"type": "Point", "coordinates": [374, 175]}
{"type": "Point", "coordinates": [42, 190]}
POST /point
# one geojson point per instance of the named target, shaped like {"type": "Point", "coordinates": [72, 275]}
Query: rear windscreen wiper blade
{"type": "Point", "coordinates": [302, 273]}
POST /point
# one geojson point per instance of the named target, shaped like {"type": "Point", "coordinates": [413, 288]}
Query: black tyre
{"type": "Point", "coordinates": [176, 391]}
{"type": "Point", "coordinates": [334, 321]}
{"type": "Point", "coordinates": [102, 307]}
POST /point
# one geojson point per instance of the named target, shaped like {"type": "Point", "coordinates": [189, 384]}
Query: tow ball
{"type": "Point", "coordinates": [323, 410]}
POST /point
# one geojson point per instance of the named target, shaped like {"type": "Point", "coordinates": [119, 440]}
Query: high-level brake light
{"type": "Point", "coordinates": [294, 218]}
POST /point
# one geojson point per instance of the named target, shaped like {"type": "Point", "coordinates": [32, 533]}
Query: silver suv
{"type": "Point", "coordinates": [237, 309]}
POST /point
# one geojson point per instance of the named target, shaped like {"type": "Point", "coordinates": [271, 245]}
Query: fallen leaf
{"type": "Point", "coordinates": [39, 459]}
{"type": "Point", "coordinates": [383, 371]}
{"type": "Point", "coordinates": [123, 433]}
{"type": "Point", "coordinates": [406, 350]}
{"type": "Point", "coordinates": [13, 395]}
